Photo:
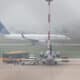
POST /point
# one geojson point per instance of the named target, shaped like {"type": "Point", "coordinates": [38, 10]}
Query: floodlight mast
{"type": "Point", "coordinates": [49, 27]}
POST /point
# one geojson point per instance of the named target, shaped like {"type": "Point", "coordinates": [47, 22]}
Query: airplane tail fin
{"type": "Point", "coordinates": [3, 29]}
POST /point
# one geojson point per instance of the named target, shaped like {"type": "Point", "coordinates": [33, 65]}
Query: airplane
{"type": "Point", "coordinates": [36, 37]}
{"type": "Point", "coordinates": [33, 37]}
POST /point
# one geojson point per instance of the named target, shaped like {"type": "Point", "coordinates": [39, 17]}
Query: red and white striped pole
{"type": "Point", "coordinates": [49, 23]}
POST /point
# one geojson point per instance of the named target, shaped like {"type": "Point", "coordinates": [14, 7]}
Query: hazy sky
{"type": "Point", "coordinates": [31, 15]}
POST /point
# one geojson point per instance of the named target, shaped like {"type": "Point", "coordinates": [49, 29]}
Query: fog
{"type": "Point", "coordinates": [30, 16]}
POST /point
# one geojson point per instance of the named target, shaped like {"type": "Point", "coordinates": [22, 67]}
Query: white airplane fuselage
{"type": "Point", "coordinates": [39, 37]}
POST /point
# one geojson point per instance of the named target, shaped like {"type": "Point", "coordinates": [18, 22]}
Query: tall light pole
{"type": "Point", "coordinates": [49, 27]}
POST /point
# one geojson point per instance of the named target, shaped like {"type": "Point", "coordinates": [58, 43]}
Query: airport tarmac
{"type": "Point", "coordinates": [68, 71]}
